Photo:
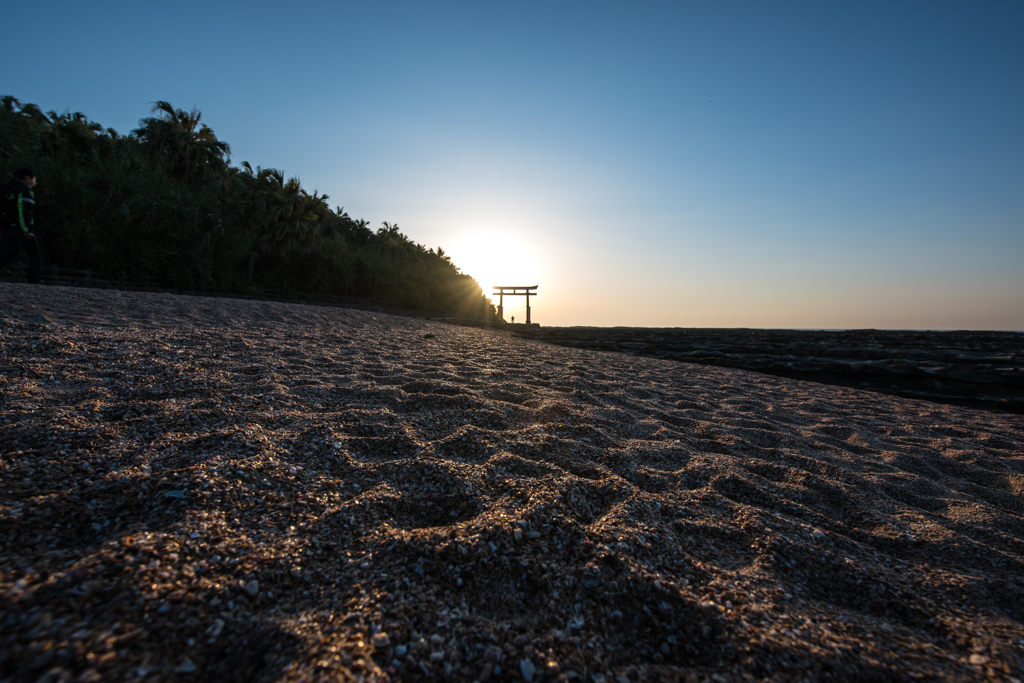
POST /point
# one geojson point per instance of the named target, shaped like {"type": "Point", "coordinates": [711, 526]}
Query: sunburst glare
{"type": "Point", "coordinates": [494, 259]}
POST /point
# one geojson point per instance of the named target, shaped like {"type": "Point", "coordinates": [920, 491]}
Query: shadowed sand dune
{"type": "Point", "coordinates": [195, 488]}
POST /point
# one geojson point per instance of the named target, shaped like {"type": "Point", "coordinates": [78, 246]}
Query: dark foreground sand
{"type": "Point", "coordinates": [203, 489]}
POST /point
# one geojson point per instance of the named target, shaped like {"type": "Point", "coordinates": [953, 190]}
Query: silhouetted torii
{"type": "Point", "coordinates": [502, 293]}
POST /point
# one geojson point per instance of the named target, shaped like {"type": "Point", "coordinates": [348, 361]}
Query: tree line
{"type": "Point", "coordinates": [165, 202]}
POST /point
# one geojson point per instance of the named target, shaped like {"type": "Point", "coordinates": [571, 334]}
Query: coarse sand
{"type": "Point", "coordinates": [206, 489]}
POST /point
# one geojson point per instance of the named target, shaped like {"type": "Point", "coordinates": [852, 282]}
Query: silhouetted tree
{"type": "Point", "coordinates": [163, 202]}
{"type": "Point", "coordinates": [190, 150]}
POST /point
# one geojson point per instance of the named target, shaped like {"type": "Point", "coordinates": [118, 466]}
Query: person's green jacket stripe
{"type": "Point", "coordinates": [21, 198]}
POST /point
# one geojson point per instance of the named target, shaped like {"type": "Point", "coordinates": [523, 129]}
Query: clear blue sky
{"type": "Point", "coordinates": [755, 164]}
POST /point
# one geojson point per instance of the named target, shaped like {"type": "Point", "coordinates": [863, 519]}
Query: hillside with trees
{"type": "Point", "coordinates": [164, 203]}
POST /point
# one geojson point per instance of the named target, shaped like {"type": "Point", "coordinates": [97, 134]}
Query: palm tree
{"type": "Point", "coordinates": [190, 150]}
{"type": "Point", "coordinates": [74, 130]}
{"type": "Point", "coordinates": [285, 217]}
{"type": "Point", "coordinates": [9, 103]}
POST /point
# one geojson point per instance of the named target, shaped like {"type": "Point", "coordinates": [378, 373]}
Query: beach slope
{"type": "Point", "coordinates": [213, 489]}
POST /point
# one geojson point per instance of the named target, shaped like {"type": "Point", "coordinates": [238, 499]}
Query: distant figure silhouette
{"type": "Point", "coordinates": [513, 320]}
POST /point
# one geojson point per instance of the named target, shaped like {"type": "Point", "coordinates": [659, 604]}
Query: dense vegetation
{"type": "Point", "coordinates": [164, 202]}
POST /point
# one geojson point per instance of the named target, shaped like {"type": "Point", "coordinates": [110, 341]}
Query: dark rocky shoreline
{"type": "Point", "coordinates": [977, 369]}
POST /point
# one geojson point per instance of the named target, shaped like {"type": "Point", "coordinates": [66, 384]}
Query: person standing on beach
{"type": "Point", "coordinates": [19, 224]}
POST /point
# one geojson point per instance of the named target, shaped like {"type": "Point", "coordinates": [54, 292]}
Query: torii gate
{"type": "Point", "coordinates": [502, 293]}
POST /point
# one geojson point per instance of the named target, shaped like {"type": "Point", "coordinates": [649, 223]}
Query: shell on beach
{"type": "Point", "coordinates": [196, 489]}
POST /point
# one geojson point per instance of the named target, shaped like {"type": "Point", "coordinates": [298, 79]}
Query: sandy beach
{"type": "Point", "coordinates": [213, 489]}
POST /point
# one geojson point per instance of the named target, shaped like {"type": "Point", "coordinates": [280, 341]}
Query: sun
{"type": "Point", "coordinates": [493, 259]}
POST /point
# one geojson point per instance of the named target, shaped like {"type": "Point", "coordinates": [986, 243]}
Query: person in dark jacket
{"type": "Point", "coordinates": [19, 229]}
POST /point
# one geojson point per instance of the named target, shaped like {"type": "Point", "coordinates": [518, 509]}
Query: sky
{"type": "Point", "coordinates": [662, 164]}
